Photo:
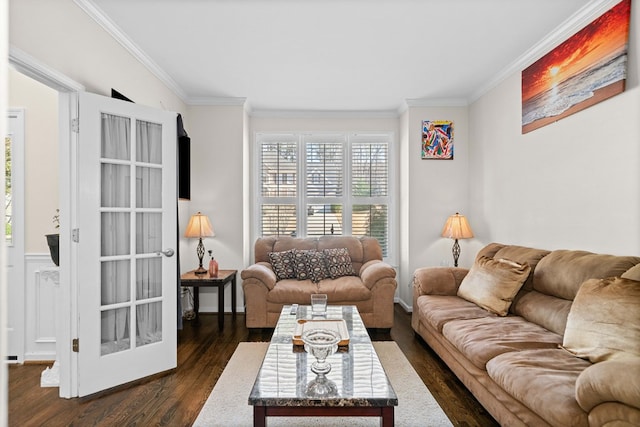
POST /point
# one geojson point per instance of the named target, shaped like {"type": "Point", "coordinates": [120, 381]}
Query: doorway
{"type": "Point", "coordinates": [33, 203]}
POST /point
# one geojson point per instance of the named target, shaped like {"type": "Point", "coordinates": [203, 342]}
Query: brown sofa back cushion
{"type": "Point", "coordinates": [562, 272]}
{"type": "Point", "coordinates": [361, 249]}
{"type": "Point", "coordinates": [555, 278]}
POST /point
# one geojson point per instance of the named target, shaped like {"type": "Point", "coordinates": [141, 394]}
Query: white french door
{"type": "Point", "coordinates": [127, 229]}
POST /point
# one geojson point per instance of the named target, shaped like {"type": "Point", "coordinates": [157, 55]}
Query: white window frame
{"type": "Point", "coordinates": [301, 199]}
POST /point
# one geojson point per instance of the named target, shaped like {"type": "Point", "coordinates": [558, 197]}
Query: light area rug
{"type": "Point", "coordinates": [227, 405]}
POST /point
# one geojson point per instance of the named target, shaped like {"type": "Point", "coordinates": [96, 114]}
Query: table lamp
{"type": "Point", "coordinates": [199, 227]}
{"type": "Point", "coordinates": [457, 227]}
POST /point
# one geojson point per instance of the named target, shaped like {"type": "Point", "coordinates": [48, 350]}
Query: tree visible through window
{"type": "Point", "coordinates": [344, 189]}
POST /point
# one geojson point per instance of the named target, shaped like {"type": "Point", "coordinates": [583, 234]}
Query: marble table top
{"type": "Point", "coordinates": [356, 377]}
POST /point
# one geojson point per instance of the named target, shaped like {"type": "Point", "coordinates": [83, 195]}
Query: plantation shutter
{"type": "Point", "coordinates": [369, 190]}
{"type": "Point", "coordinates": [278, 182]}
{"type": "Point", "coordinates": [324, 185]}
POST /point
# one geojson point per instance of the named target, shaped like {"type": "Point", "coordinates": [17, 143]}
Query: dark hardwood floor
{"type": "Point", "coordinates": [175, 399]}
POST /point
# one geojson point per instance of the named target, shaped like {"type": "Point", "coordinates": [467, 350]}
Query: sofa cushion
{"type": "Point", "coordinates": [315, 265]}
{"type": "Point", "coordinates": [344, 289]}
{"type": "Point", "coordinates": [292, 291]}
{"type": "Point", "coordinates": [545, 310]}
{"type": "Point", "coordinates": [609, 381]}
{"type": "Point", "coordinates": [633, 273]}
{"type": "Point", "coordinates": [300, 263]}
{"type": "Point", "coordinates": [338, 262]}
{"type": "Point", "coordinates": [440, 309]}
{"type": "Point", "coordinates": [544, 381]}
{"type": "Point", "coordinates": [480, 340]}
{"type": "Point", "coordinates": [282, 264]}
{"type": "Point", "coordinates": [604, 320]}
{"type": "Point", "coordinates": [562, 272]}
{"type": "Point", "coordinates": [492, 284]}
{"type": "Point", "coordinates": [522, 255]}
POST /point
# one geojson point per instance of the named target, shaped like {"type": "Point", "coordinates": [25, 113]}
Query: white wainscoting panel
{"type": "Point", "coordinates": [41, 282]}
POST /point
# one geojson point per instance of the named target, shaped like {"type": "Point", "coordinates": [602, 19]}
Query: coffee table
{"type": "Point", "coordinates": [361, 384]}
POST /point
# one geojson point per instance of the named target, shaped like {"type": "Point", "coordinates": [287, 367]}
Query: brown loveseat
{"type": "Point", "coordinates": [566, 352]}
{"type": "Point", "coordinates": [371, 289]}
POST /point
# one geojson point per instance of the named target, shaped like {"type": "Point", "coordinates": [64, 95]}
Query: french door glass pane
{"type": "Point", "coordinates": [116, 186]}
{"type": "Point", "coordinates": [148, 232]}
{"type": "Point", "coordinates": [148, 142]}
{"type": "Point", "coordinates": [116, 229]}
{"type": "Point", "coordinates": [116, 137]}
{"type": "Point", "coordinates": [149, 323]}
{"type": "Point", "coordinates": [148, 186]}
{"type": "Point", "coordinates": [148, 278]}
{"type": "Point", "coordinates": [115, 331]}
{"type": "Point", "coordinates": [116, 281]}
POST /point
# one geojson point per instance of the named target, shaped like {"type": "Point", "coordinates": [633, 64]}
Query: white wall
{"type": "Point", "coordinates": [432, 191]}
{"type": "Point", "coordinates": [217, 142]}
{"type": "Point", "coordinates": [574, 184]}
{"type": "Point", "coordinates": [60, 35]}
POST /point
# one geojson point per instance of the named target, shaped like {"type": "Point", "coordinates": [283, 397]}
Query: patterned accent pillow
{"type": "Point", "coordinates": [282, 263]}
{"type": "Point", "coordinates": [338, 262]}
{"type": "Point", "coordinates": [316, 267]}
{"type": "Point", "coordinates": [300, 264]}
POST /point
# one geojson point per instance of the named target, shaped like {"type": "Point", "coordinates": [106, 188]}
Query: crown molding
{"type": "Point", "coordinates": [216, 101]}
{"type": "Point", "coordinates": [30, 66]}
{"type": "Point", "coordinates": [121, 37]}
{"type": "Point", "coordinates": [572, 25]}
{"type": "Point", "coordinates": [325, 114]}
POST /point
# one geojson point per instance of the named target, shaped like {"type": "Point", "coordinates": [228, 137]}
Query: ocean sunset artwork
{"type": "Point", "coordinates": [587, 68]}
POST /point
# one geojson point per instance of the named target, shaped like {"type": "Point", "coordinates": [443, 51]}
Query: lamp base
{"type": "Point", "coordinates": [200, 271]}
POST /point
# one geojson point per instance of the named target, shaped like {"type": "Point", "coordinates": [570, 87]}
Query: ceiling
{"type": "Point", "coordinates": [332, 55]}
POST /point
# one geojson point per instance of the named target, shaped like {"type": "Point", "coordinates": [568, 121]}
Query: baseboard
{"type": "Point", "coordinates": [405, 306]}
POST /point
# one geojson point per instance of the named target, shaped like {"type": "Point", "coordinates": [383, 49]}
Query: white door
{"type": "Point", "coordinates": [14, 232]}
{"type": "Point", "coordinates": [127, 288]}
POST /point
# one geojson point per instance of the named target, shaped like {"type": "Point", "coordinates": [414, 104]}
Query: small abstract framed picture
{"type": "Point", "coordinates": [437, 139]}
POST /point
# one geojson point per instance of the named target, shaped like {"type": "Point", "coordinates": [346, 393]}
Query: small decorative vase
{"type": "Point", "coordinates": [320, 343]}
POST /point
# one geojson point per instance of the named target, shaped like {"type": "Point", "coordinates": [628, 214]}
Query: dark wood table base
{"type": "Point", "coordinates": [260, 413]}
{"type": "Point", "coordinates": [196, 281]}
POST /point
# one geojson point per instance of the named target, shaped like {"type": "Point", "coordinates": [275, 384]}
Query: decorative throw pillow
{"type": "Point", "coordinates": [493, 284]}
{"type": "Point", "coordinates": [604, 320]}
{"type": "Point", "coordinates": [316, 267]}
{"type": "Point", "coordinates": [300, 263]}
{"type": "Point", "coordinates": [338, 262]}
{"type": "Point", "coordinates": [282, 263]}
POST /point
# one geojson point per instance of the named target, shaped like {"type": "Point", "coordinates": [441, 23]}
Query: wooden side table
{"type": "Point", "coordinates": [190, 279]}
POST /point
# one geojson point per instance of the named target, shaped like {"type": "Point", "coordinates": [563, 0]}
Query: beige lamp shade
{"type": "Point", "coordinates": [457, 227]}
{"type": "Point", "coordinates": [199, 226]}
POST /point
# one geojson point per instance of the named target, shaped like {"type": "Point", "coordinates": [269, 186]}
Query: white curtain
{"type": "Point", "coordinates": [117, 168]}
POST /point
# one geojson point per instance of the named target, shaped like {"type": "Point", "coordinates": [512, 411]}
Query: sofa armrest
{"type": "Point", "coordinates": [261, 272]}
{"type": "Point", "coordinates": [438, 280]}
{"type": "Point", "coordinates": [615, 380]}
{"type": "Point", "coordinates": [375, 270]}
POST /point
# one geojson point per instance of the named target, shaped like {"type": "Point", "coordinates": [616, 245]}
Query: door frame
{"type": "Point", "coordinates": [66, 298]}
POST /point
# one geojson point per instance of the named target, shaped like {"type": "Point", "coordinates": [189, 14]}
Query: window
{"type": "Point", "coordinates": [322, 184]}
{"type": "Point", "coordinates": [8, 193]}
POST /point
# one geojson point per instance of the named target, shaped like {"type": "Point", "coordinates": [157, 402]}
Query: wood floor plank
{"type": "Point", "coordinates": [175, 399]}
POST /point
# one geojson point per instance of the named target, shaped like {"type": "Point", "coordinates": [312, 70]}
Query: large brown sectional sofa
{"type": "Point", "coordinates": [567, 350]}
{"type": "Point", "coordinates": [370, 286]}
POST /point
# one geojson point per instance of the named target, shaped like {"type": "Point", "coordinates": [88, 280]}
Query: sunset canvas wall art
{"type": "Point", "coordinates": [587, 68]}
